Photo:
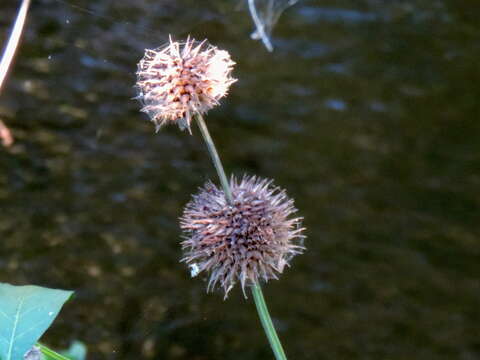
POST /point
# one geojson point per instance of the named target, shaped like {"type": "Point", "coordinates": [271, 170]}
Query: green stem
{"type": "Point", "coordinates": [267, 322]}
{"type": "Point", "coordinates": [262, 309]}
{"type": "Point", "coordinates": [215, 158]}
{"type": "Point", "coordinates": [50, 353]}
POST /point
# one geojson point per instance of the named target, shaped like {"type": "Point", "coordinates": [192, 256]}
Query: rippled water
{"type": "Point", "coordinates": [367, 112]}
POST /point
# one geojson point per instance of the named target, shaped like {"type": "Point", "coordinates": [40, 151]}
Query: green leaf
{"type": "Point", "coordinates": [76, 351]}
{"type": "Point", "coordinates": [25, 313]}
{"type": "Point", "coordinates": [49, 354]}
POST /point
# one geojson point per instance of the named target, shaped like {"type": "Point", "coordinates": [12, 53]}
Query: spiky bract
{"type": "Point", "coordinates": [252, 239]}
{"type": "Point", "coordinates": [180, 79]}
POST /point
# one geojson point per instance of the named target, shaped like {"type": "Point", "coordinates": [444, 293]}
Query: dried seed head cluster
{"type": "Point", "coordinates": [181, 79]}
{"type": "Point", "coordinates": [250, 240]}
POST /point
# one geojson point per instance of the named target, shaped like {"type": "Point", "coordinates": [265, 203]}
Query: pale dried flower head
{"type": "Point", "coordinates": [251, 240]}
{"type": "Point", "coordinates": [182, 78]}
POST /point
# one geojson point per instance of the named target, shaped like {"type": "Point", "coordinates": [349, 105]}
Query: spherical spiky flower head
{"type": "Point", "coordinates": [250, 240]}
{"type": "Point", "coordinates": [180, 79]}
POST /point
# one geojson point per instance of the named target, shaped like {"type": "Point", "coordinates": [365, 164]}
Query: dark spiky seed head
{"type": "Point", "coordinates": [251, 240]}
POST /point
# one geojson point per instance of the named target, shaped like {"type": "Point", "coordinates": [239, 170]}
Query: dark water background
{"type": "Point", "coordinates": [367, 112]}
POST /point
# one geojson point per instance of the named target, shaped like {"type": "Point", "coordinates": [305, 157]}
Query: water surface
{"type": "Point", "coordinates": [367, 112]}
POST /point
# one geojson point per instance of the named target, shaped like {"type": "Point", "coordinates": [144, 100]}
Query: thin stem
{"type": "Point", "coordinates": [267, 323]}
{"type": "Point", "coordinates": [50, 353]}
{"type": "Point", "coordinates": [215, 158]}
{"type": "Point", "coordinates": [262, 309]}
{"type": "Point", "coordinates": [258, 24]}
{"type": "Point", "coordinates": [13, 41]}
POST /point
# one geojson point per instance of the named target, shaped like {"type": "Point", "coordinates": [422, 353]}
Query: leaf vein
{"type": "Point", "coordinates": [32, 328]}
{"type": "Point", "coordinates": [6, 316]}
{"type": "Point", "coordinates": [14, 330]}
{"type": "Point", "coordinates": [31, 309]}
